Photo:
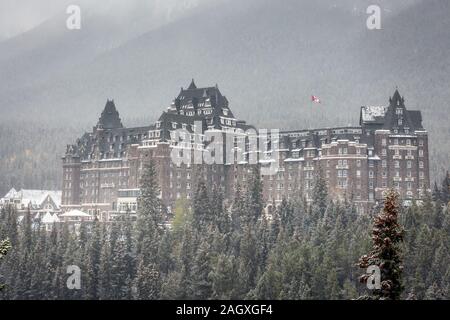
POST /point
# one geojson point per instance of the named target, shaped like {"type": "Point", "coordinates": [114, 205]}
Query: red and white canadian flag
{"type": "Point", "coordinates": [315, 99]}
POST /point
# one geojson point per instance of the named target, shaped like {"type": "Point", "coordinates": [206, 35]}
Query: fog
{"type": "Point", "coordinates": [20, 16]}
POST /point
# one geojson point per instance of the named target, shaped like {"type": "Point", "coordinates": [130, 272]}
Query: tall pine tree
{"type": "Point", "coordinates": [387, 235]}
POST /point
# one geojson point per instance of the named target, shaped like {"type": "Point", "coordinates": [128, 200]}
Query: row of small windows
{"type": "Point", "coordinates": [121, 138]}
{"type": "Point", "coordinates": [407, 142]}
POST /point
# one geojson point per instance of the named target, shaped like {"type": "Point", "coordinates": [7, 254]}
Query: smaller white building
{"type": "Point", "coordinates": [38, 201]}
{"type": "Point", "coordinates": [48, 220]}
{"type": "Point", "coordinates": [75, 216]}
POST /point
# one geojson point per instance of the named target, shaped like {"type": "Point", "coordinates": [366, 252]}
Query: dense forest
{"type": "Point", "coordinates": [208, 251]}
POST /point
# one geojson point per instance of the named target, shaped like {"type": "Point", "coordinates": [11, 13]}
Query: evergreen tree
{"type": "Point", "coordinates": [436, 194]}
{"type": "Point", "coordinates": [320, 194]}
{"type": "Point", "coordinates": [387, 235]}
{"type": "Point", "coordinates": [5, 245]}
{"type": "Point", "coordinates": [201, 283]}
{"type": "Point", "coordinates": [93, 255]}
{"type": "Point", "coordinates": [223, 278]}
{"type": "Point", "coordinates": [104, 269]}
{"type": "Point", "coordinates": [248, 263]}
{"type": "Point", "coordinates": [237, 210]}
{"type": "Point", "coordinates": [221, 219]}
{"type": "Point", "coordinates": [255, 205]}
{"type": "Point", "coordinates": [445, 191]}
{"type": "Point", "coordinates": [147, 281]}
{"type": "Point", "coordinates": [150, 220]}
{"type": "Point", "coordinates": [202, 214]}
{"type": "Point", "coordinates": [182, 278]}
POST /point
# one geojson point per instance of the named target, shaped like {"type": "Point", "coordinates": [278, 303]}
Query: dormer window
{"type": "Point", "coordinates": [400, 122]}
{"type": "Point", "coordinates": [399, 111]}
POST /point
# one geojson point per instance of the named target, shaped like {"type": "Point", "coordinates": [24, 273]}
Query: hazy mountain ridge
{"type": "Point", "coordinates": [219, 43]}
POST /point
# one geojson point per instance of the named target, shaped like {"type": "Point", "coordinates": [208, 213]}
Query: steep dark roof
{"type": "Point", "coordinates": [380, 117]}
{"type": "Point", "coordinates": [166, 119]}
{"type": "Point", "coordinates": [109, 118]}
{"type": "Point", "coordinates": [110, 142]}
{"type": "Point", "coordinates": [197, 96]}
{"type": "Point", "coordinates": [192, 85]}
{"type": "Point", "coordinates": [416, 119]}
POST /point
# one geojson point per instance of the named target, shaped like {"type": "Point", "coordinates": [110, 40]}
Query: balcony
{"type": "Point", "coordinates": [397, 156]}
{"type": "Point", "coordinates": [342, 166]}
{"type": "Point", "coordinates": [397, 179]}
{"type": "Point", "coordinates": [409, 157]}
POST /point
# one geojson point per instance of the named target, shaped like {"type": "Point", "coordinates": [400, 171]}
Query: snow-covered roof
{"type": "Point", "coordinates": [11, 193]}
{"type": "Point", "coordinates": [50, 218]}
{"type": "Point", "coordinates": [371, 113]}
{"type": "Point", "coordinates": [35, 197]}
{"type": "Point", "coordinates": [75, 213]}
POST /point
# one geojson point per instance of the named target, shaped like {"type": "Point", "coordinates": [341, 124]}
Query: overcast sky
{"type": "Point", "coordinates": [17, 16]}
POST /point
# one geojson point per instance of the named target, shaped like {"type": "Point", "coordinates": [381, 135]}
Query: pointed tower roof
{"type": "Point", "coordinates": [109, 118]}
{"type": "Point", "coordinates": [192, 85]}
{"type": "Point", "coordinates": [396, 99]}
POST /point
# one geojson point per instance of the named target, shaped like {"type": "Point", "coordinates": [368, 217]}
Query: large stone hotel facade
{"type": "Point", "coordinates": [101, 171]}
